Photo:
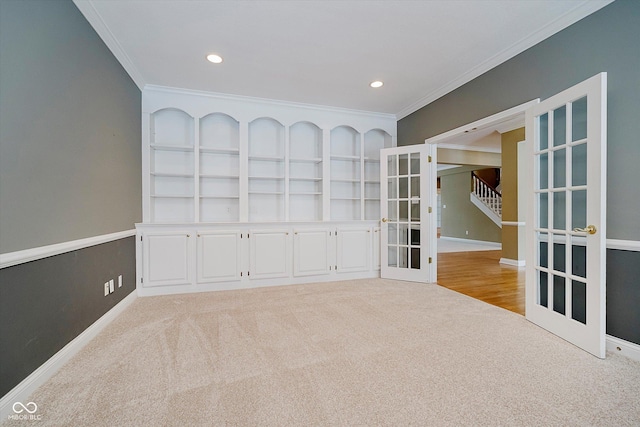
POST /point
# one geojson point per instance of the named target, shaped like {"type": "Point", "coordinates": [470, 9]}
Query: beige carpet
{"type": "Point", "coordinates": [357, 353]}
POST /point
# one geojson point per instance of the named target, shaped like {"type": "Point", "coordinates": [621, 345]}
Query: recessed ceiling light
{"type": "Point", "coordinates": [216, 59]}
{"type": "Point", "coordinates": [376, 84]}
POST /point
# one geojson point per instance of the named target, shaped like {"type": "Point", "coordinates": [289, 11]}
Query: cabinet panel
{"type": "Point", "coordinates": [166, 259]}
{"type": "Point", "coordinates": [269, 254]}
{"type": "Point", "coordinates": [353, 249]}
{"type": "Point", "coordinates": [218, 256]}
{"type": "Point", "coordinates": [311, 252]}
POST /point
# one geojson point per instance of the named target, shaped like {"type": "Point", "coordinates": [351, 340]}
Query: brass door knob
{"type": "Point", "coordinates": [384, 220]}
{"type": "Point", "coordinates": [591, 229]}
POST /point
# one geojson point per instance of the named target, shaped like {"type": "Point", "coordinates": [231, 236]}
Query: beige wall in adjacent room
{"type": "Point", "coordinates": [509, 180]}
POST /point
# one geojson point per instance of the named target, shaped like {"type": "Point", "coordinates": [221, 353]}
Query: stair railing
{"type": "Point", "coordinates": [487, 194]}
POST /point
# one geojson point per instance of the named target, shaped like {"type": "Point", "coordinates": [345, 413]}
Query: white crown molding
{"type": "Point", "coordinates": [90, 13]}
{"type": "Point", "coordinates": [14, 258]}
{"type": "Point", "coordinates": [579, 12]}
{"type": "Point", "coordinates": [263, 101]}
{"type": "Point", "coordinates": [22, 391]}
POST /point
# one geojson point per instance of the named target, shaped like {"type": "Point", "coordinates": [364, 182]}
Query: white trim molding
{"type": "Point", "coordinates": [513, 262]}
{"type": "Point", "coordinates": [38, 377]}
{"type": "Point", "coordinates": [14, 258]}
{"type": "Point", "coordinates": [625, 348]}
{"type": "Point", "coordinates": [624, 245]}
{"type": "Point", "coordinates": [514, 223]}
{"type": "Point", "coordinates": [480, 242]}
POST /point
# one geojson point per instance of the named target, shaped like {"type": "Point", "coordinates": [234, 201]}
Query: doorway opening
{"type": "Point", "coordinates": [494, 275]}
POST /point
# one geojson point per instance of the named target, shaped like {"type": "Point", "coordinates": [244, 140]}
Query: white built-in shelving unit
{"type": "Point", "coordinates": [241, 192]}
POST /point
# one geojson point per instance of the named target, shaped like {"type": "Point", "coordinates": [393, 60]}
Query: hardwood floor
{"type": "Point", "coordinates": [480, 275]}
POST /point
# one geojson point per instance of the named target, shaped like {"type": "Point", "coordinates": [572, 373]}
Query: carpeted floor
{"type": "Point", "coordinates": [356, 353]}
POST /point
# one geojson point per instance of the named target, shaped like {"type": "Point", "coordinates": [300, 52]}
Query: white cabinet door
{"type": "Point", "coordinates": [353, 249]}
{"type": "Point", "coordinates": [311, 252]}
{"type": "Point", "coordinates": [218, 256]}
{"type": "Point", "coordinates": [269, 254]}
{"type": "Point", "coordinates": [166, 259]}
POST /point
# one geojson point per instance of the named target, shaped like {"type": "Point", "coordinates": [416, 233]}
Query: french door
{"type": "Point", "coordinates": [566, 221]}
{"type": "Point", "coordinates": [408, 223]}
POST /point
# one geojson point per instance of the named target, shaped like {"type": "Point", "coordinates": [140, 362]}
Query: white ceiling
{"type": "Point", "coordinates": [325, 52]}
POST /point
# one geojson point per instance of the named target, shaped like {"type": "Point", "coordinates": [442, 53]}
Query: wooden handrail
{"type": "Point", "coordinates": [491, 187]}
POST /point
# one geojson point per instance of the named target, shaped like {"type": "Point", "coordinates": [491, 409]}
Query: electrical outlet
{"type": "Point", "coordinates": [120, 281]}
{"type": "Point", "coordinates": [106, 289]}
{"type": "Point", "coordinates": [467, 232]}
{"type": "Point", "coordinates": [111, 286]}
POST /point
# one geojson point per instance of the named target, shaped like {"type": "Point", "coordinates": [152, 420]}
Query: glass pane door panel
{"type": "Point", "coordinates": [543, 142]}
{"type": "Point", "coordinates": [415, 210]}
{"type": "Point", "coordinates": [579, 301]}
{"type": "Point", "coordinates": [415, 186]}
{"type": "Point", "coordinates": [560, 126]}
{"type": "Point", "coordinates": [559, 211]}
{"type": "Point", "coordinates": [404, 210]}
{"type": "Point", "coordinates": [392, 165]}
{"type": "Point", "coordinates": [579, 209]}
{"type": "Point", "coordinates": [403, 234]}
{"type": "Point", "coordinates": [579, 165]}
{"type": "Point", "coordinates": [579, 119]}
{"type": "Point", "coordinates": [415, 164]}
{"type": "Point", "coordinates": [404, 188]}
{"type": "Point", "coordinates": [543, 165]}
{"type": "Point", "coordinates": [579, 260]}
{"type": "Point", "coordinates": [393, 234]}
{"type": "Point", "coordinates": [543, 204]}
{"type": "Point", "coordinates": [392, 186]}
{"type": "Point", "coordinates": [543, 288]}
{"type": "Point", "coordinates": [403, 166]}
{"type": "Point", "coordinates": [559, 293]}
{"type": "Point", "coordinates": [559, 257]}
{"type": "Point", "coordinates": [392, 210]}
{"type": "Point", "coordinates": [543, 253]}
{"type": "Point", "coordinates": [392, 256]}
{"type": "Point", "coordinates": [403, 261]}
{"type": "Point", "coordinates": [559, 168]}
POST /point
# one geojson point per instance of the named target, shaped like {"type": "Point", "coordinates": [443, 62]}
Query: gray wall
{"type": "Point", "coordinates": [604, 41]}
{"type": "Point", "coordinates": [460, 215]}
{"type": "Point", "coordinates": [70, 168]}
{"type": "Point", "coordinates": [70, 129]}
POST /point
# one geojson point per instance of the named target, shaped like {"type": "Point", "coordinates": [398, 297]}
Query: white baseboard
{"type": "Point", "coordinates": [22, 391]}
{"type": "Point", "coordinates": [480, 242]}
{"type": "Point", "coordinates": [514, 262]}
{"type": "Point", "coordinates": [625, 348]}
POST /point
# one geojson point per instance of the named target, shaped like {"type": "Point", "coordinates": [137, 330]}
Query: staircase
{"type": "Point", "coordinates": [487, 199]}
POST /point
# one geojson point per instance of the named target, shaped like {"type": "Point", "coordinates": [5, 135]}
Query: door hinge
{"type": "Point", "coordinates": [248, 273]}
{"type": "Point", "coordinates": [430, 260]}
{"type": "Point", "coordinates": [241, 274]}
{"type": "Point", "coordinates": [429, 159]}
{"type": "Point", "coordinates": [141, 238]}
{"type": "Point", "coordinates": [142, 280]}
{"type": "Point", "coordinates": [336, 267]}
{"type": "Point", "coordinates": [430, 210]}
